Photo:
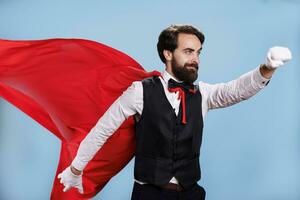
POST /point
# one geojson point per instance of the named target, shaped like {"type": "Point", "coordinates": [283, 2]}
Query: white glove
{"type": "Point", "coordinates": [277, 56]}
{"type": "Point", "coordinates": [69, 180]}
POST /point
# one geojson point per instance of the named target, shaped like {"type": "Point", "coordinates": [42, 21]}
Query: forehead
{"type": "Point", "coordinates": [185, 40]}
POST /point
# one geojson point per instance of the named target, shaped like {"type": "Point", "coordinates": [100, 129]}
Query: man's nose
{"type": "Point", "coordinates": [196, 59]}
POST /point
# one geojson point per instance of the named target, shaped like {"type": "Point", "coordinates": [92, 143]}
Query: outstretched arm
{"type": "Point", "coordinates": [226, 94]}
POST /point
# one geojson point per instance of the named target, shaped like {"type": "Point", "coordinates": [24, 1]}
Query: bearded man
{"type": "Point", "coordinates": [169, 110]}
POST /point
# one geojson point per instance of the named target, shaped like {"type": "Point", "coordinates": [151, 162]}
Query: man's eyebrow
{"type": "Point", "coordinates": [190, 49]}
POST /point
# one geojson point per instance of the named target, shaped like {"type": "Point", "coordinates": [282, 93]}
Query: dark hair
{"type": "Point", "coordinates": [167, 39]}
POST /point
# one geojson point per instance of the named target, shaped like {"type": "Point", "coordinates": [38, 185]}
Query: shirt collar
{"type": "Point", "coordinates": [167, 76]}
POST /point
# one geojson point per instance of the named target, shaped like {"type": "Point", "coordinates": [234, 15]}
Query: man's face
{"type": "Point", "coordinates": [185, 58]}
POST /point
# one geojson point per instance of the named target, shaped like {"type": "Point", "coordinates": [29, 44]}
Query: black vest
{"type": "Point", "coordinates": [164, 146]}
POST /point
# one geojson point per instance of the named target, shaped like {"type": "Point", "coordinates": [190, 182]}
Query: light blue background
{"type": "Point", "coordinates": [250, 151]}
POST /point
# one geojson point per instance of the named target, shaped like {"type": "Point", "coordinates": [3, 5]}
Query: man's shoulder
{"type": "Point", "coordinates": [202, 85]}
{"type": "Point", "coordinates": [205, 88]}
{"type": "Point", "coordinates": [150, 80]}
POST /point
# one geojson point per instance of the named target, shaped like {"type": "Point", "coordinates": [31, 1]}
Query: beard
{"type": "Point", "coordinates": [187, 73]}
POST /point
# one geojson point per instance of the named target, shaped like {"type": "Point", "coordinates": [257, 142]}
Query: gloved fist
{"type": "Point", "coordinates": [277, 56]}
{"type": "Point", "coordinates": [69, 180]}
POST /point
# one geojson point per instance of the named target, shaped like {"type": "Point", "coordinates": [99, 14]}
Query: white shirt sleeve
{"type": "Point", "coordinates": [226, 94]}
{"type": "Point", "coordinates": [129, 103]}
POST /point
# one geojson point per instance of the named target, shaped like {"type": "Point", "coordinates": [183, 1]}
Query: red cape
{"type": "Point", "coordinates": [66, 85]}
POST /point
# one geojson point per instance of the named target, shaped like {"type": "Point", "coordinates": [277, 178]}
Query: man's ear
{"type": "Point", "coordinates": [168, 55]}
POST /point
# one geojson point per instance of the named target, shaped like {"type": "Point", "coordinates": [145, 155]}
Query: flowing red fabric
{"type": "Point", "coordinates": [66, 85]}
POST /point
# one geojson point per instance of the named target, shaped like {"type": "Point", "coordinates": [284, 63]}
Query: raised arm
{"type": "Point", "coordinates": [226, 94]}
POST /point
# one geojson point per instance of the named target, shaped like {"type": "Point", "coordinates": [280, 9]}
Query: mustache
{"type": "Point", "coordinates": [195, 65]}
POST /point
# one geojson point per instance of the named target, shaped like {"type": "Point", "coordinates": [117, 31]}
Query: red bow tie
{"type": "Point", "coordinates": [182, 88]}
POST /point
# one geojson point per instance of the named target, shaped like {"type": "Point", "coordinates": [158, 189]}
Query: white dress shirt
{"type": "Point", "coordinates": [131, 103]}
